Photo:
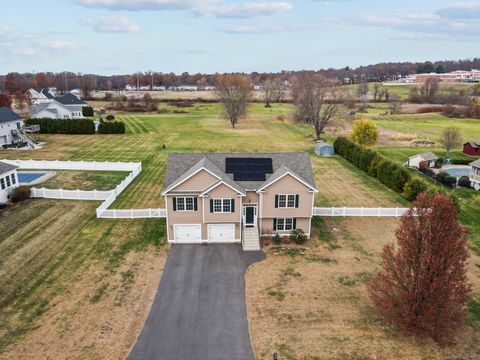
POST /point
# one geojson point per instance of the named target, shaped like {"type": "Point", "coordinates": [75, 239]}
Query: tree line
{"type": "Point", "coordinates": [63, 81]}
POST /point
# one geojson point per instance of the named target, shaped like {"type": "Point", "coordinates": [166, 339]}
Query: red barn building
{"type": "Point", "coordinates": [472, 148]}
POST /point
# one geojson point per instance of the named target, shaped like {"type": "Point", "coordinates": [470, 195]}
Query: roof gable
{"type": "Point", "coordinates": [7, 115]}
{"type": "Point", "coordinates": [6, 167]}
{"type": "Point", "coordinates": [69, 99]}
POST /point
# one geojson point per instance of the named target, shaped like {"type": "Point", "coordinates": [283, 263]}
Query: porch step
{"type": "Point", "coordinates": [251, 239]}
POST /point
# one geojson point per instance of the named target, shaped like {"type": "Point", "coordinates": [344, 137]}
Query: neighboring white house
{"type": "Point", "coordinates": [67, 106]}
{"type": "Point", "coordinates": [475, 175]}
{"type": "Point", "coordinates": [10, 125]}
{"type": "Point", "coordinates": [8, 181]}
{"type": "Point", "coordinates": [41, 96]}
{"type": "Point", "coordinates": [429, 157]}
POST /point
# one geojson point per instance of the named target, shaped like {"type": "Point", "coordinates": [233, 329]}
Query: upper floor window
{"type": "Point", "coordinates": [184, 204]}
{"type": "Point", "coordinates": [2, 183]}
{"type": "Point", "coordinates": [222, 205]}
{"type": "Point", "coordinates": [287, 201]}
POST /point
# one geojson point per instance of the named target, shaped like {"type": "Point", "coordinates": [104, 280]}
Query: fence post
{"type": "Point", "coordinates": [361, 211]}
{"type": "Point", "coordinates": [344, 211]}
{"type": "Point", "coordinates": [114, 213]}
{"type": "Point", "coordinates": [396, 212]}
{"type": "Point", "coordinates": [379, 211]}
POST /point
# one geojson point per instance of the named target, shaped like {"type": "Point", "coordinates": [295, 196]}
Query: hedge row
{"type": "Point", "coordinates": [111, 127]}
{"type": "Point", "coordinates": [63, 126]}
{"type": "Point", "coordinates": [389, 173]}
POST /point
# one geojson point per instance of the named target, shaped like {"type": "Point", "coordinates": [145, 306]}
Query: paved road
{"type": "Point", "coordinates": [199, 310]}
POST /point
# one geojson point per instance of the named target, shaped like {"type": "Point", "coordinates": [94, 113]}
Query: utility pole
{"type": "Point", "coordinates": [66, 82]}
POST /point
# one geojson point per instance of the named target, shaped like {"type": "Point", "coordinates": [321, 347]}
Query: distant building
{"type": "Point", "coordinates": [41, 96]}
{"type": "Point", "coordinates": [67, 106]}
{"type": "Point", "coordinates": [458, 76]}
{"type": "Point", "coordinates": [428, 157]}
{"type": "Point", "coordinates": [472, 148]}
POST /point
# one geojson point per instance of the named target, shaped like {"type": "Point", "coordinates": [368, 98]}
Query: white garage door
{"type": "Point", "coordinates": [221, 233]}
{"type": "Point", "coordinates": [188, 233]}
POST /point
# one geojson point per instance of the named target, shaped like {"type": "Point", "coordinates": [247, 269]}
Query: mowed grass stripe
{"type": "Point", "coordinates": [131, 125]}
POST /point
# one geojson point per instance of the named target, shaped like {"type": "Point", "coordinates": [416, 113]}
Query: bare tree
{"type": "Point", "coordinates": [429, 89]}
{"type": "Point", "coordinates": [451, 138]}
{"type": "Point", "coordinates": [377, 92]}
{"type": "Point", "coordinates": [317, 100]}
{"type": "Point", "coordinates": [394, 105]}
{"type": "Point", "coordinates": [362, 91]}
{"type": "Point", "coordinates": [233, 91]}
{"type": "Point", "coordinates": [274, 91]}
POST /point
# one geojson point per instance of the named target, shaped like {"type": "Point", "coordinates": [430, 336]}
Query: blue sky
{"type": "Point", "coordinates": [125, 36]}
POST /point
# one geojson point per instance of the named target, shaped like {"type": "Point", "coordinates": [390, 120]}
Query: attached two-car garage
{"type": "Point", "coordinates": [216, 233]}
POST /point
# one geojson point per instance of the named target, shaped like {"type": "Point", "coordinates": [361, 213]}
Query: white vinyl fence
{"type": "Point", "coordinates": [359, 212]}
{"type": "Point", "coordinates": [108, 197]}
{"type": "Point", "coordinates": [70, 194]}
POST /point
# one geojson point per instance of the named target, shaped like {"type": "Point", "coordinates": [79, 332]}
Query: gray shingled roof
{"type": "Point", "coordinates": [7, 115]}
{"type": "Point", "coordinates": [474, 144]}
{"type": "Point", "coordinates": [476, 163]}
{"type": "Point", "coordinates": [4, 167]}
{"type": "Point", "coordinates": [428, 156]}
{"type": "Point", "coordinates": [69, 99]}
{"type": "Point", "coordinates": [35, 109]}
{"type": "Point", "coordinates": [182, 165]}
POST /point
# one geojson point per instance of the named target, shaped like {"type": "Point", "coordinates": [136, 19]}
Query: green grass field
{"type": "Point", "coordinates": [429, 126]}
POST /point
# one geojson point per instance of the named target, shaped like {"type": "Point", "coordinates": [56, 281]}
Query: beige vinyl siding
{"type": "Point", "coordinates": [222, 192]}
{"type": "Point", "coordinates": [182, 217]}
{"type": "Point", "coordinates": [198, 182]}
{"type": "Point", "coordinates": [284, 186]}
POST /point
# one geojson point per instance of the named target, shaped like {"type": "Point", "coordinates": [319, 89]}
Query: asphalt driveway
{"type": "Point", "coordinates": [199, 310]}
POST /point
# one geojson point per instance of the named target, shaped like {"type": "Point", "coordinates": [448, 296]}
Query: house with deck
{"type": "Point", "coordinates": [8, 181]}
{"type": "Point", "coordinates": [475, 175]}
{"type": "Point", "coordinates": [237, 197]}
{"type": "Point", "coordinates": [10, 126]}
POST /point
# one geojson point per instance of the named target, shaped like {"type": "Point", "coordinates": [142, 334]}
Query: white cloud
{"type": "Point", "coordinates": [114, 24]}
{"type": "Point", "coordinates": [62, 45]}
{"type": "Point", "coordinates": [410, 24]}
{"type": "Point", "coordinates": [245, 10]}
{"type": "Point", "coordinates": [15, 43]}
{"type": "Point", "coordinates": [461, 11]}
{"type": "Point", "coordinates": [211, 8]}
{"type": "Point", "coordinates": [138, 5]}
{"type": "Point", "coordinates": [271, 28]}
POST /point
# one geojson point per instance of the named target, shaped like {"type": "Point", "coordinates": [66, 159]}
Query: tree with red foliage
{"type": "Point", "coordinates": [423, 286]}
{"type": "Point", "coordinates": [5, 100]}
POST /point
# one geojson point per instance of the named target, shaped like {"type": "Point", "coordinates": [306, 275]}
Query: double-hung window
{"type": "Point", "coordinates": [287, 201]}
{"type": "Point", "coordinates": [222, 205]}
{"type": "Point", "coordinates": [184, 204]}
{"type": "Point", "coordinates": [8, 181]}
{"type": "Point", "coordinates": [2, 183]}
{"type": "Point", "coordinates": [284, 224]}
{"type": "Point", "coordinates": [14, 181]}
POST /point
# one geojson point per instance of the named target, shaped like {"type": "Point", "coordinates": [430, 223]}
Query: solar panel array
{"type": "Point", "coordinates": [249, 169]}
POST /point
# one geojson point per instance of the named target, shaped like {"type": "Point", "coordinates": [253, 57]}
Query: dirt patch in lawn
{"type": "Point", "coordinates": [100, 316]}
{"type": "Point", "coordinates": [311, 302]}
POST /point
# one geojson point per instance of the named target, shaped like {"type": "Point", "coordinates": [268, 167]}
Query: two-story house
{"type": "Point", "coordinates": [475, 175]}
{"type": "Point", "coordinates": [67, 106]}
{"type": "Point", "coordinates": [237, 197]}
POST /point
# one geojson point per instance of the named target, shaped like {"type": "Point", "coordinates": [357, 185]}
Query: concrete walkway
{"type": "Point", "coordinates": [199, 311]}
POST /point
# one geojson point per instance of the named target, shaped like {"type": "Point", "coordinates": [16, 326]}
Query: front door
{"type": "Point", "coordinates": [250, 215]}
